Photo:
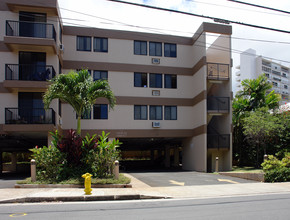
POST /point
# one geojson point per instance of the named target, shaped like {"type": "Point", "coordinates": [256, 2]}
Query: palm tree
{"type": "Point", "coordinates": [253, 96]}
{"type": "Point", "coordinates": [80, 91]}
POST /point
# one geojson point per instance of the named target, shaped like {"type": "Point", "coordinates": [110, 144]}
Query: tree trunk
{"type": "Point", "coordinates": [79, 125]}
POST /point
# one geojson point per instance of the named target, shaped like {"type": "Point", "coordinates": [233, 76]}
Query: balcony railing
{"type": "Point", "coordinates": [218, 141]}
{"type": "Point", "coordinates": [218, 71]}
{"type": "Point", "coordinates": [29, 116]}
{"type": "Point", "coordinates": [29, 72]}
{"type": "Point", "coordinates": [30, 29]}
{"type": "Point", "coordinates": [218, 104]}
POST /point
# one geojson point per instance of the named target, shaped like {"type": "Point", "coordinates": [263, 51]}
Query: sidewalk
{"type": "Point", "coordinates": [140, 190]}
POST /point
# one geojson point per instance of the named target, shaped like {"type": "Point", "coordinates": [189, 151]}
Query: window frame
{"type": "Point", "coordinates": [155, 117]}
{"type": "Point", "coordinates": [165, 112]}
{"type": "Point", "coordinates": [95, 113]}
{"type": "Point", "coordinates": [139, 52]}
{"type": "Point", "coordinates": [142, 85]}
{"type": "Point", "coordinates": [100, 72]}
{"type": "Point", "coordinates": [103, 41]}
{"type": "Point", "coordinates": [90, 44]}
{"type": "Point", "coordinates": [172, 53]}
{"type": "Point", "coordinates": [153, 52]}
{"type": "Point", "coordinates": [140, 106]}
{"type": "Point", "coordinates": [172, 84]}
{"type": "Point", "coordinates": [154, 82]}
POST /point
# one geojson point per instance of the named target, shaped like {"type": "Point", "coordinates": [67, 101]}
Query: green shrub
{"type": "Point", "coordinates": [49, 163]}
{"type": "Point", "coordinates": [278, 175]}
{"type": "Point", "coordinates": [277, 170]}
{"type": "Point", "coordinates": [70, 156]}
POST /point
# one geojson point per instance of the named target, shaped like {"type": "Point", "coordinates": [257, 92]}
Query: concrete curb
{"type": "Point", "coordinates": [80, 198]}
{"type": "Point", "coordinates": [71, 186]}
{"type": "Point", "coordinates": [249, 176]}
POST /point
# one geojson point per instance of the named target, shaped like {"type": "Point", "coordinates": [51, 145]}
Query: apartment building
{"type": "Point", "coordinates": [251, 66]}
{"type": "Point", "coordinates": [173, 93]}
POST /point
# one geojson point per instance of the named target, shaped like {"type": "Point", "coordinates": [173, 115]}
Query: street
{"type": "Point", "coordinates": [273, 206]}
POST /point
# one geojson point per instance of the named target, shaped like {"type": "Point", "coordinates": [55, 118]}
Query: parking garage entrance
{"type": "Point", "coordinates": [150, 153]}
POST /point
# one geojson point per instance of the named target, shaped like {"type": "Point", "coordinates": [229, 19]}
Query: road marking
{"type": "Point", "coordinates": [176, 183]}
{"type": "Point", "coordinates": [226, 180]}
{"type": "Point", "coordinates": [17, 214]}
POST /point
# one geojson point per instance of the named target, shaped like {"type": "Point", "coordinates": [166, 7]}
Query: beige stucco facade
{"type": "Point", "coordinates": [195, 127]}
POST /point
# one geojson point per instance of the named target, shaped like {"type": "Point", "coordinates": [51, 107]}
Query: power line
{"type": "Point", "coordinates": [202, 16]}
{"type": "Point", "coordinates": [260, 6]}
{"type": "Point", "coordinates": [226, 6]}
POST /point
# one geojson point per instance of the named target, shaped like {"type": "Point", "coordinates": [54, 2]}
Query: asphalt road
{"type": "Point", "coordinates": [275, 206]}
{"type": "Point", "coordinates": [180, 178]}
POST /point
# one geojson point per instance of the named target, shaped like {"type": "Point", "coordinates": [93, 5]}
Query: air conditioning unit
{"type": "Point", "coordinates": [155, 60]}
{"type": "Point", "coordinates": [61, 47]}
{"type": "Point", "coordinates": [156, 92]}
{"type": "Point", "coordinates": [156, 124]}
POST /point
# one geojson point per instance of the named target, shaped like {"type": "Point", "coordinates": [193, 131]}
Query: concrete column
{"type": "Point", "coordinates": [116, 169]}
{"type": "Point", "coordinates": [33, 170]}
{"type": "Point", "coordinates": [14, 162]}
{"type": "Point", "coordinates": [167, 157]}
{"type": "Point", "coordinates": [176, 157]}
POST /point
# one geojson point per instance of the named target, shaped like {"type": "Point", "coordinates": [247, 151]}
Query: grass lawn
{"type": "Point", "coordinates": [122, 180]}
{"type": "Point", "coordinates": [237, 169]}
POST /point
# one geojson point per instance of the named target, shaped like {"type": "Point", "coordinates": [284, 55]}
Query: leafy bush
{"type": "Point", "coordinates": [71, 155]}
{"type": "Point", "coordinates": [49, 163]}
{"type": "Point", "coordinates": [277, 170]}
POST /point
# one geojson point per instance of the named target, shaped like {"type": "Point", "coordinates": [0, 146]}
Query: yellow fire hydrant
{"type": "Point", "coordinates": [88, 181]}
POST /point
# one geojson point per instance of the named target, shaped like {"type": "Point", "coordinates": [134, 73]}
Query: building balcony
{"type": "Point", "coordinates": [29, 72]}
{"type": "Point", "coordinates": [29, 116]}
{"type": "Point", "coordinates": [23, 35]}
{"type": "Point", "coordinates": [218, 141]}
{"type": "Point", "coordinates": [217, 71]}
{"type": "Point", "coordinates": [26, 77]}
{"type": "Point", "coordinates": [218, 104]}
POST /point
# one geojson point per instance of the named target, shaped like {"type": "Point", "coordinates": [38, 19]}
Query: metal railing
{"type": "Point", "coordinates": [30, 29]}
{"type": "Point", "coordinates": [29, 116]}
{"type": "Point", "coordinates": [218, 141]}
{"type": "Point", "coordinates": [29, 72]}
{"type": "Point", "coordinates": [217, 71]}
{"type": "Point", "coordinates": [218, 104]}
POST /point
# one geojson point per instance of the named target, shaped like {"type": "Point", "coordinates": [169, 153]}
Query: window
{"type": "Point", "coordinates": [170, 112]}
{"type": "Point", "coordinates": [86, 114]}
{"type": "Point", "coordinates": [170, 81]}
{"type": "Point", "coordinates": [100, 44]}
{"type": "Point", "coordinates": [285, 87]}
{"type": "Point", "coordinates": [169, 50]}
{"type": "Point", "coordinates": [155, 112]}
{"type": "Point", "coordinates": [155, 49]}
{"type": "Point", "coordinates": [140, 79]}
{"type": "Point", "coordinates": [155, 80]}
{"type": "Point", "coordinates": [140, 47]}
{"type": "Point", "coordinates": [103, 75]}
{"type": "Point", "coordinates": [140, 112]}
{"type": "Point", "coordinates": [100, 111]}
{"type": "Point", "coordinates": [275, 84]}
{"type": "Point", "coordinates": [84, 43]}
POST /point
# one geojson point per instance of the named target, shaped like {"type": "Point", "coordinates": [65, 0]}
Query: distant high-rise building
{"type": "Point", "coordinates": [251, 66]}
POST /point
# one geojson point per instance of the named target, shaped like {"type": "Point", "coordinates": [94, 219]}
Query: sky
{"type": "Point", "coordinates": [112, 15]}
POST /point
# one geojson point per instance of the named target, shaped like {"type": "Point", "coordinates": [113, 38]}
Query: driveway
{"type": "Point", "coordinates": [8, 180]}
{"type": "Point", "coordinates": [185, 178]}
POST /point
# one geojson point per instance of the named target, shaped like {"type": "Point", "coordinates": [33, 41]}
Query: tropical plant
{"type": "Point", "coordinates": [80, 91]}
{"type": "Point", "coordinates": [259, 128]}
{"type": "Point", "coordinates": [252, 96]}
{"type": "Point", "coordinates": [49, 163]}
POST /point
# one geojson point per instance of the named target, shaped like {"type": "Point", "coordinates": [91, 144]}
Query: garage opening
{"type": "Point", "coordinates": [150, 153]}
